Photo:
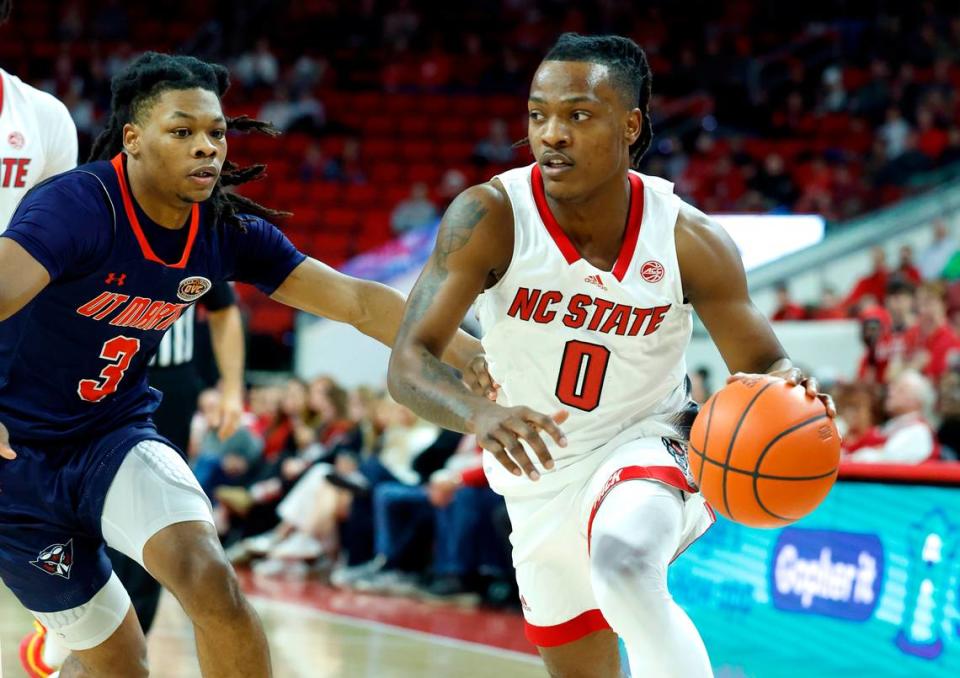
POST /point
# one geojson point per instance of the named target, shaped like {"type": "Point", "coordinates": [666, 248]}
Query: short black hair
{"type": "Point", "coordinates": [629, 70]}
{"type": "Point", "coordinates": [137, 88]}
{"type": "Point", "coordinates": [897, 284]}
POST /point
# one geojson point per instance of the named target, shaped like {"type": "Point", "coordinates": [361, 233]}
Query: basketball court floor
{"type": "Point", "coordinates": [318, 632]}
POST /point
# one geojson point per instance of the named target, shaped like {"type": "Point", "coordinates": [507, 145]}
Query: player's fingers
{"type": "Point", "coordinates": [793, 377]}
{"type": "Point", "coordinates": [484, 381]}
{"type": "Point", "coordinates": [812, 386]}
{"type": "Point", "coordinates": [736, 376]}
{"type": "Point", "coordinates": [549, 424]}
{"type": "Point", "coordinates": [829, 404]}
{"type": "Point", "coordinates": [531, 434]}
{"type": "Point", "coordinates": [229, 422]}
{"type": "Point", "coordinates": [515, 450]}
{"type": "Point", "coordinates": [500, 454]}
{"type": "Point", "coordinates": [7, 452]}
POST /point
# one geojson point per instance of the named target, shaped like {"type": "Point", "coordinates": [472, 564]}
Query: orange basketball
{"type": "Point", "coordinates": [763, 453]}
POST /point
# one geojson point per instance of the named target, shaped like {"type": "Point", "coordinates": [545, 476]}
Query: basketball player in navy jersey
{"type": "Point", "coordinates": [585, 274]}
{"type": "Point", "coordinates": [96, 264]}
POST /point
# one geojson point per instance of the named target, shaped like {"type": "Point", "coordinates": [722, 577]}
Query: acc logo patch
{"type": "Point", "coordinates": [16, 140]}
{"type": "Point", "coordinates": [56, 559]}
{"type": "Point", "coordinates": [652, 271]}
{"type": "Point", "coordinates": [193, 288]}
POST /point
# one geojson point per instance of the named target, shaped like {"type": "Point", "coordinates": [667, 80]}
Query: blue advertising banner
{"type": "Point", "coordinates": [869, 584]}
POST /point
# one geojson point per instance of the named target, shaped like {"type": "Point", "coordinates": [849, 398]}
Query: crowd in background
{"type": "Point", "coordinates": [904, 405]}
{"type": "Point", "coordinates": [353, 484]}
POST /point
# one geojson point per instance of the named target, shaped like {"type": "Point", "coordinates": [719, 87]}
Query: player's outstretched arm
{"type": "Point", "coordinates": [226, 336]}
{"type": "Point", "coordinates": [715, 283]}
{"type": "Point", "coordinates": [474, 245]}
{"type": "Point", "coordinates": [21, 277]}
{"type": "Point", "coordinates": [374, 309]}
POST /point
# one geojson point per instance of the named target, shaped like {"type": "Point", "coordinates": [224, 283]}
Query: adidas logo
{"type": "Point", "coordinates": [595, 280]}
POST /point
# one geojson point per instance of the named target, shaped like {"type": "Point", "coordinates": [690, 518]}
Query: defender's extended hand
{"type": "Point", "coordinates": [500, 430]}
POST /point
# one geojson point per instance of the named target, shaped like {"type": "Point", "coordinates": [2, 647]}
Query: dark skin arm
{"type": "Point", "coordinates": [473, 249]}
{"type": "Point", "coordinates": [21, 279]}
{"type": "Point", "coordinates": [715, 283]}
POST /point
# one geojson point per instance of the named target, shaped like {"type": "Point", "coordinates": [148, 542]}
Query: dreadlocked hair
{"type": "Point", "coordinates": [629, 71]}
{"type": "Point", "coordinates": [138, 87]}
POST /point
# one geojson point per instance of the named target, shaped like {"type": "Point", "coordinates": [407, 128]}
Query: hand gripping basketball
{"type": "Point", "coordinates": [500, 430]}
{"type": "Point", "coordinates": [763, 451]}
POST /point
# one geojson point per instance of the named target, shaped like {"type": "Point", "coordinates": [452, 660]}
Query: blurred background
{"type": "Point", "coordinates": [824, 135]}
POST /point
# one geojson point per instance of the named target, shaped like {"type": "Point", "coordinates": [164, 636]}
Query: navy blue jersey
{"type": "Point", "coordinates": [73, 362]}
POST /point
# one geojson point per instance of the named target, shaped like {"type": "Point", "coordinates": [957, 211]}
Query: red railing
{"type": "Point", "coordinates": [929, 473]}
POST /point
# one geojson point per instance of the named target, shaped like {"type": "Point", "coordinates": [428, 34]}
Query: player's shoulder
{"type": "Point", "coordinates": [488, 201]}
{"type": "Point", "coordinates": [77, 191]}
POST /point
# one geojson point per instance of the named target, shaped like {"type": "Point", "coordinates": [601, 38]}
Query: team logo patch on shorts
{"type": "Point", "coordinates": [193, 288]}
{"type": "Point", "coordinates": [56, 559]}
{"type": "Point", "coordinates": [652, 271]}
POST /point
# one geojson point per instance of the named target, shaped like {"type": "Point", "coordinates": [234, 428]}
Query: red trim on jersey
{"type": "Point", "coordinates": [1, 91]}
{"type": "Point", "coordinates": [148, 252]}
{"type": "Point", "coordinates": [569, 252]}
{"type": "Point", "coordinates": [567, 632]}
{"type": "Point", "coordinates": [668, 475]}
{"type": "Point", "coordinates": [632, 234]}
{"type": "Point", "coordinates": [567, 248]}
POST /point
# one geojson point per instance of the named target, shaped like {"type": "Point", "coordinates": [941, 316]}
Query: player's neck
{"type": "Point", "coordinates": [601, 216]}
{"type": "Point", "coordinates": [158, 208]}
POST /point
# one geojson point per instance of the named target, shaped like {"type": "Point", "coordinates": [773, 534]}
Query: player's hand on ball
{"type": "Point", "coordinates": [477, 377]}
{"type": "Point", "coordinates": [794, 376]}
{"type": "Point", "coordinates": [6, 452]}
{"type": "Point", "coordinates": [500, 430]}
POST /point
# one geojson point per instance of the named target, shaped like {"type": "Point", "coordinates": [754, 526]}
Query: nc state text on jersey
{"type": "Point", "coordinates": [582, 310]}
{"type": "Point", "coordinates": [139, 312]}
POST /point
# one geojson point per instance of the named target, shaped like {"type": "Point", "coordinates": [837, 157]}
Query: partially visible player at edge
{"type": "Point", "coordinates": [37, 136]}
{"type": "Point", "coordinates": [95, 265]}
{"type": "Point", "coordinates": [587, 274]}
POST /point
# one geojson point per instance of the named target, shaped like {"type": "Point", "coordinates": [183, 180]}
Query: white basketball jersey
{"type": "Point", "coordinates": [37, 140]}
{"type": "Point", "coordinates": [608, 346]}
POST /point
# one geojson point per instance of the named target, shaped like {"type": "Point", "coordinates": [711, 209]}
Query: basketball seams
{"type": "Point", "coordinates": [761, 476]}
{"type": "Point", "coordinates": [768, 447]}
{"type": "Point", "coordinates": [733, 440]}
{"type": "Point", "coordinates": [706, 435]}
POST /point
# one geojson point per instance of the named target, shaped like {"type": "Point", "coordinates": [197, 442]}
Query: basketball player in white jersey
{"type": "Point", "coordinates": [587, 274]}
{"type": "Point", "coordinates": [37, 137]}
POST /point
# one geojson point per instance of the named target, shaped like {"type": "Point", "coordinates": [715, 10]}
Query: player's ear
{"type": "Point", "coordinates": [633, 126]}
{"type": "Point", "coordinates": [131, 139]}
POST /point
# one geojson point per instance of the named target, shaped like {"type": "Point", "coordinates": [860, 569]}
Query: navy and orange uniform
{"type": "Point", "coordinates": [73, 362]}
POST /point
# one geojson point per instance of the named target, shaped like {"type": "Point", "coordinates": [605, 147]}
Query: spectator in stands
{"type": "Point", "coordinates": [224, 462]}
{"type": "Point", "coordinates": [875, 335]}
{"type": "Point", "coordinates": [900, 303]}
{"type": "Point", "coordinates": [829, 306]}
{"type": "Point", "coordinates": [297, 113]}
{"type": "Point", "coordinates": [258, 68]}
{"type": "Point", "coordinates": [700, 387]}
{"type": "Point", "coordinates": [451, 185]}
{"type": "Point", "coordinates": [907, 269]}
{"type": "Point", "coordinates": [930, 342]}
{"type": "Point", "coordinates": [934, 258]}
{"type": "Point", "coordinates": [415, 212]}
{"type": "Point", "coordinates": [860, 411]}
{"type": "Point", "coordinates": [347, 167]}
{"type": "Point", "coordinates": [874, 284]}
{"type": "Point", "coordinates": [948, 434]}
{"type": "Point", "coordinates": [496, 148]}
{"type": "Point", "coordinates": [315, 165]}
{"type": "Point", "coordinates": [908, 437]}
{"type": "Point", "coordinates": [787, 309]}
{"type": "Point", "coordinates": [894, 133]}
{"type": "Point", "coordinates": [774, 183]}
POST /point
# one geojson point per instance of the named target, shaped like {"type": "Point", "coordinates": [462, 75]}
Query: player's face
{"type": "Point", "coordinates": [580, 129]}
{"type": "Point", "coordinates": [182, 144]}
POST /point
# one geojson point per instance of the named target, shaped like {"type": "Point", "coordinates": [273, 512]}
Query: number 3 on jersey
{"type": "Point", "coordinates": [582, 371]}
{"type": "Point", "coordinates": [119, 349]}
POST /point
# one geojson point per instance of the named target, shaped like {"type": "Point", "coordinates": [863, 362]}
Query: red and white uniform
{"type": "Point", "coordinates": [37, 140]}
{"type": "Point", "coordinates": [608, 346]}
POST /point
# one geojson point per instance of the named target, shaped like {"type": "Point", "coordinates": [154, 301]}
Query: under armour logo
{"type": "Point", "coordinates": [114, 278]}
